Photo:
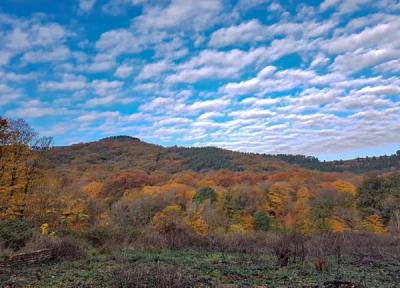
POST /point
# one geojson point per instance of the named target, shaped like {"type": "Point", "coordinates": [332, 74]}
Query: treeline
{"type": "Point", "coordinates": [358, 165]}
{"type": "Point", "coordinates": [206, 158]}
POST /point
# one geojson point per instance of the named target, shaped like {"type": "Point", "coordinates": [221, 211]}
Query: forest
{"type": "Point", "coordinates": [120, 212]}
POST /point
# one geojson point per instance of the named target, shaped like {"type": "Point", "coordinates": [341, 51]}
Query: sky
{"type": "Point", "coordinates": [317, 78]}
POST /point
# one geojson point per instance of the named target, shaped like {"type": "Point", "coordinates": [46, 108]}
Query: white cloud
{"type": "Point", "coordinates": [34, 109]}
{"type": "Point", "coordinates": [390, 66]}
{"type": "Point", "coordinates": [153, 70]}
{"type": "Point", "coordinates": [382, 35]}
{"type": "Point", "coordinates": [94, 116]}
{"type": "Point", "coordinates": [381, 90]}
{"type": "Point", "coordinates": [361, 59]}
{"type": "Point", "coordinates": [69, 83]}
{"type": "Point", "coordinates": [328, 4]}
{"type": "Point", "coordinates": [261, 102]}
{"type": "Point", "coordinates": [248, 32]}
{"type": "Point", "coordinates": [209, 105]}
{"type": "Point", "coordinates": [8, 94]}
{"type": "Point", "coordinates": [252, 114]}
{"type": "Point", "coordinates": [118, 7]}
{"type": "Point", "coordinates": [119, 41]}
{"type": "Point", "coordinates": [210, 115]}
{"type": "Point", "coordinates": [124, 71]}
{"type": "Point", "coordinates": [86, 5]}
{"type": "Point", "coordinates": [58, 54]}
{"type": "Point", "coordinates": [216, 64]}
{"type": "Point", "coordinates": [185, 14]}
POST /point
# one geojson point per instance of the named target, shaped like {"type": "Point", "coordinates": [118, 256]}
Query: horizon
{"type": "Point", "coordinates": [316, 78]}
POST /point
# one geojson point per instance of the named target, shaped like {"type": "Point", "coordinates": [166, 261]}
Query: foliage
{"type": "Point", "coordinates": [66, 248]}
{"type": "Point", "coordinates": [204, 193]}
{"type": "Point", "coordinates": [121, 189]}
{"type": "Point", "coordinates": [262, 221]}
{"type": "Point", "coordinates": [359, 165]}
{"type": "Point", "coordinates": [15, 233]}
{"type": "Point", "coordinates": [380, 196]}
{"type": "Point", "coordinates": [206, 158]}
{"type": "Point", "coordinates": [98, 236]}
{"type": "Point", "coordinates": [168, 219]}
{"type": "Point", "coordinates": [20, 151]}
{"type": "Point", "coordinates": [373, 223]}
{"type": "Point", "coordinates": [196, 222]}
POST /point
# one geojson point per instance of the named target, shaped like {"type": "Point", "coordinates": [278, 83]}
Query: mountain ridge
{"type": "Point", "coordinates": [148, 156]}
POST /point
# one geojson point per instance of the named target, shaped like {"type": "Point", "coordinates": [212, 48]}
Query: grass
{"type": "Point", "coordinates": [210, 268]}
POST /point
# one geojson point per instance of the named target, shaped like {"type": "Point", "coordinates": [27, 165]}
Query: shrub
{"type": "Point", "coordinates": [288, 247]}
{"type": "Point", "coordinates": [66, 249]}
{"type": "Point", "coordinates": [15, 233]}
{"type": "Point", "coordinates": [98, 236]}
{"type": "Point", "coordinates": [262, 221]}
{"type": "Point", "coordinates": [203, 194]}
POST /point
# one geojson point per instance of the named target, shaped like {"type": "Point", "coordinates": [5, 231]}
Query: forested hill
{"type": "Point", "coordinates": [120, 153]}
{"type": "Point", "coordinates": [358, 165]}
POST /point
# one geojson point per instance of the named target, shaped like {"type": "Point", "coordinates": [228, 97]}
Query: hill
{"type": "Point", "coordinates": [120, 153]}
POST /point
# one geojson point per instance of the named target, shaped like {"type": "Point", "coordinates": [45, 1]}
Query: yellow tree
{"type": "Point", "coordinates": [74, 215]}
{"type": "Point", "coordinates": [20, 150]}
{"type": "Point", "coordinates": [196, 223]}
{"type": "Point", "coordinates": [92, 189]}
{"type": "Point", "coordinates": [373, 223]}
{"type": "Point", "coordinates": [278, 199]}
{"type": "Point", "coordinates": [345, 187]}
{"type": "Point", "coordinates": [168, 219]}
{"type": "Point", "coordinates": [301, 211]}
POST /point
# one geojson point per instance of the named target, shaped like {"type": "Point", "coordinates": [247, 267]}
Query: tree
{"type": "Point", "coordinates": [262, 221]}
{"type": "Point", "coordinates": [20, 152]}
{"type": "Point", "coordinates": [278, 199]}
{"type": "Point", "coordinates": [196, 223]}
{"type": "Point", "coordinates": [322, 209]}
{"type": "Point", "coordinates": [379, 196]}
{"type": "Point", "coordinates": [373, 223]}
{"type": "Point", "coordinates": [301, 211]}
{"type": "Point", "coordinates": [203, 194]}
{"type": "Point", "coordinates": [168, 220]}
{"type": "Point", "coordinates": [345, 187]}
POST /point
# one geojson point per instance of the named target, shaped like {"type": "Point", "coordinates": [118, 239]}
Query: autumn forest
{"type": "Point", "coordinates": [122, 192]}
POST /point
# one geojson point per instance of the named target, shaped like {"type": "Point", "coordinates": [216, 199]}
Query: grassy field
{"type": "Point", "coordinates": [193, 268]}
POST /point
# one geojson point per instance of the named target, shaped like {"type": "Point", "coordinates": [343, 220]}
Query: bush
{"type": "Point", "coordinates": [288, 247]}
{"type": "Point", "coordinates": [262, 221]}
{"type": "Point", "coordinates": [15, 234]}
{"type": "Point", "coordinates": [203, 194]}
{"type": "Point", "coordinates": [98, 236]}
{"type": "Point", "coordinates": [66, 249]}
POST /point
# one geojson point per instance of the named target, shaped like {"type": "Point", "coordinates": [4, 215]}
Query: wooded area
{"type": "Point", "coordinates": [122, 191]}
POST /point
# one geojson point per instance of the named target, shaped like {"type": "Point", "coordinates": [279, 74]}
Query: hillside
{"type": "Point", "coordinates": [359, 165]}
{"type": "Point", "coordinates": [121, 153]}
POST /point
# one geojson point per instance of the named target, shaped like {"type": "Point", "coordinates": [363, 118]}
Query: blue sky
{"type": "Point", "coordinates": [311, 77]}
